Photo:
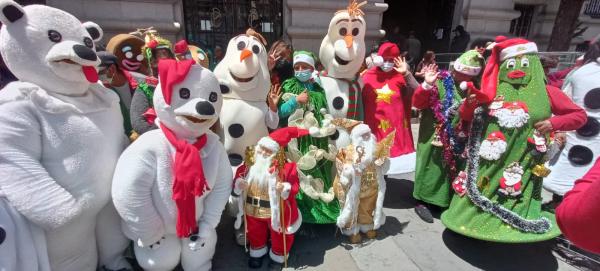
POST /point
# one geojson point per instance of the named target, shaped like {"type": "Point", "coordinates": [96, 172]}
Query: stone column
{"type": "Point", "coordinates": [488, 18]}
{"type": "Point", "coordinates": [306, 21]}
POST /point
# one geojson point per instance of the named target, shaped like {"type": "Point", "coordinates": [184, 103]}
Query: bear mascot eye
{"type": "Point", "coordinates": [184, 93]}
{"type": "Point", "coordinates": [88, 42]}
{"type": "Point", "coordinates": [213, 97]}
{"type": "Point", "coordinates": [54, 36]}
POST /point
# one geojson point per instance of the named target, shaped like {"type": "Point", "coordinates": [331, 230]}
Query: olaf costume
{"type": "Point", "coordinates": [61, 136]}
{"type": "Point", "coordinates": [171, 185]}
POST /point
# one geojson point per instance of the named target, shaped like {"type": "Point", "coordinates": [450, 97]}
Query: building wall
{"type": "Point", "coordinates": [489, 18]}
{"type": "Point", "coordinates": [124, 16]}
{"type": "Point", "coordinates": [306, 21]}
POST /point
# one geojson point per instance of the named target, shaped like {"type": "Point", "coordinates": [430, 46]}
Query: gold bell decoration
{"type": "Point", "coordinates": [541, 171]}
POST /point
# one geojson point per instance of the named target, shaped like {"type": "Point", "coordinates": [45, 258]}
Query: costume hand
{"type": "Point", "coordinates": [401, 65]}
{"type": "Point", "coordinates": [272, 60]}
{"type": "Point", "coordinates": [560, 138]}
{"type": "Point", "coordinates": [302, 98]}
{"type": "Point", "coordinates": [274, 97]}
{"type": "Point", "coordinates": [279, 188]}
{"type": "Point", "coordinates": [544, 126]}
{"type": "Point", "coordinates": [242, 184]}
{"type": "Point", "coordinates": [431, 74]}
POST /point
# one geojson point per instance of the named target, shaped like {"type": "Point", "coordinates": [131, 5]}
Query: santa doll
{"type": "Point", "coordinates": [171, 184]}
{"type": "Point", "coordinates": [360, 184]}
{"type": "Point", "coordinates": [268, 186]}
{"type": "Point", "coordinates": [504, 194]}
{"type": "Point", "coordinates": [387, 105]}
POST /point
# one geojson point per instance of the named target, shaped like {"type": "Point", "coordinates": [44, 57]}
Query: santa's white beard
{"type": "Point", "coordinates": [511, 178]}
{"type": "Point", "coordinates": [492, 150]}
{"type": "Point", "coordinates": [369, 149]}
{"type": "Point", "coordinates": [259, 171]}
{"type": "Point", "coordinates": [511, 118]}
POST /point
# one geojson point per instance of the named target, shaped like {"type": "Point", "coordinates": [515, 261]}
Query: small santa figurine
{"type": "Point", "coordinates": [268, 186]}
{"type": "Point", "coordinates": [360, 184]}
{"type": "Point", "coordinates": [496, 104]}
{"type": "Point", "coordinates": [493, 146]}
{"type": "Point", "coordinates": [510, 183]}
{"type": "Point", "coordinates": [512, 114]}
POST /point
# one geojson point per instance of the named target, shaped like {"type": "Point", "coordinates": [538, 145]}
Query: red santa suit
{"type": "Point", "coordinates": [264, 208]}
{"type": "Point", "coordinates": [387, 108]}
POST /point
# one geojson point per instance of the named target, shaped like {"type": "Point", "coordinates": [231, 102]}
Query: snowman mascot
{"type": "Point", "coordinates": [342, 53]}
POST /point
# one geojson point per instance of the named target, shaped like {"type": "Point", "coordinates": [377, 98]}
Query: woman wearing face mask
{"type": "Point", "coordinates": [120, 81]}
{"type": "Point", "coordinates": [302, 91]}
{"type": "Point", "coordinates": [388, 87]}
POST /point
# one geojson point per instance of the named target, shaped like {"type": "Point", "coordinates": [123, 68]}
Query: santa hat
{"type": "Point", "coordinates": [516, 104]}
{"type": "Point", "coordinates": [469, 63]}
{"type": "Point", "coordinates": [503, 48]}
{"type": "Point", "coordinates": [359, 130]}
{"type": "Point", "coordinates": [281, 137]}
{"type": "Point", "coordinates": [181, 47]}
{"type": "Point", "coordinates": [496, 135]}
{"type": "Point", "coordinates": [304, 57]}
{"type": "Point", "coordinates": [388, 50]}
{"type": "Point", "coordinates": [170, 73]}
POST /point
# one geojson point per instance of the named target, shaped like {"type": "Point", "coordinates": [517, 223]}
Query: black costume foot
{"type": "Point", "coordinates": [255, 263]}
{"type": "Point", "coordinates": [275, 266]}
{"type": "Point", "coordinates": [424, 213]}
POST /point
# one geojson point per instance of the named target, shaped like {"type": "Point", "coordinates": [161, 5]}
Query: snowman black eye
{"type": "Point", "coordinates": [343, 31]}
{"type": "Point", "coordinates": [54, 36]}
{"type": "Point", "coordinates": [355, 32]}
{"type": "Point", "coordinates": [184, 93]}
{"type": "Point", "coordinates": [256, 49]}
{"type": "Point", "coordinates": [241, 45]}
{"type": "Point", "coordinates": [88, 42]}
{"type": "Point", "coordinates": [213, 97]}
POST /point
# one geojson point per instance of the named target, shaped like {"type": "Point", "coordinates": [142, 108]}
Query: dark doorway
{"type": "Point", "coordinates": [214, 22]}
{"type": "Point", "coordinates": [431, 20]}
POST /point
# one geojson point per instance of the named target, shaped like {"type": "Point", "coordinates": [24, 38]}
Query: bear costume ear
{"type": "Point", "coordinates": [94, 30]}
{"type": "Point", "coordinates": [11, 12]}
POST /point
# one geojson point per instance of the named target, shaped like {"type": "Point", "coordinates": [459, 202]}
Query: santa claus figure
{"type": "Point", "coordinates": [268, 186]}
{"type": "Point", "coordinates": [171, 185]}
{"type": "Point", "coordinates": [512, 114]}
{"type": "Point", "coordinates": [539, 141]}
{"type": "Point", "coordinates": [493, 146]}
{"type": "Point", "coordinates": [510, 182]}
{"type": "Point", "coordinates": [360, 186]}
{"type": "Point", "coordinates": [496, 104]}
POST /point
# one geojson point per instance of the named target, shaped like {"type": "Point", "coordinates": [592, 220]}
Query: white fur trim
{"type": "Point", "coordinates": [426, 86]}
{"type": "Point", "coordinates": [379, 217]}
{"type": "Point", "coordinates": [275, 257]}
{"type": "Point", "coordinates": [465, 69]}
{"type": "Point", "coordinates": [285, 193]}
{"type": "Point", "coordinates": [269, 143]}
{"type": "Point", "coordinates": [293, 228]}
{"type": "Point", "coordinates": [257, 253]}
{"type": "Point", "coordinates": [236, 188]}
{"type": "Point", "coordinates": [519, 49]}
{"type": "Point", "coordinates": [304, 59]}
{"type": "Point", "coordinates": [463, 84]}
{"type": "Point", "coordinates": [359, 130]}
{"type": "Point", "coordinates": [350, 204]}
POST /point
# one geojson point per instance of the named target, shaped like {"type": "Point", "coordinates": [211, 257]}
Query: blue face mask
{"type": "Point", "coordinates": [303, 75]}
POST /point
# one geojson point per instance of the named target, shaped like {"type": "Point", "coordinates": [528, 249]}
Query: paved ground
{"type": "Point", "coordinates": [405, 242]}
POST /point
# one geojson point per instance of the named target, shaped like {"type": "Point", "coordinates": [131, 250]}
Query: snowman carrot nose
{"type": "Point", "coordinates": [348, 39]}
{"type": "Point", "coordinates": [245, 54]}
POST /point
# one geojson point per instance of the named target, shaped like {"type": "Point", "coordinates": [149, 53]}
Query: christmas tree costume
{"type": "Point", "coordinates": [387, 109]}
{"type": "Point", "coordinates": [440, 142]}
{"type": "Point", "coordinates": [502, 202]}
{"type": "Point", "coordinates": [314, 205]}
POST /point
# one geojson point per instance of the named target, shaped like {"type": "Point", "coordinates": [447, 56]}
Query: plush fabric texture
{"type": "Point", "coordinates": [564, 173]}
{"type": "Point", "coordinates": [61, 136]}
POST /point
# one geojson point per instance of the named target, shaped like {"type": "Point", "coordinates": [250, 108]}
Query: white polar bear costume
{"type": "Point", "coordinates": [581, 148]}
{"type": "Point", "coordinates": [146, 182]}
{"type": "Point", "coordinates": [342, 53]}
{"type": "Point", "coordinates": [245, 83]}
{"type": "Point", "coordinates": [61, 136]}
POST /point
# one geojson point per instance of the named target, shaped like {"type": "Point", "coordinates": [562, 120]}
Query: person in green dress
{"type": "Point", "coordinates": [502, 201]}
{"type": "Point", "coordinates": [440, 144]}
{"type": "Point", "coordinates": [303, 92]}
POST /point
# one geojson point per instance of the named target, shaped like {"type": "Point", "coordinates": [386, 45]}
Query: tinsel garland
{"type": "Point", "coordinates": [444, 114]}
{"type": "Point", "coordinates": [541, 225]}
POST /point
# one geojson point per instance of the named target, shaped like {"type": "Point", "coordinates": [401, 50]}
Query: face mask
{"type": "Point", "coordinates": [284, 68]}
{"type": "Point", "coordinates": [303, 75]}
{"type": "Point", "coordinates": [387, 66]}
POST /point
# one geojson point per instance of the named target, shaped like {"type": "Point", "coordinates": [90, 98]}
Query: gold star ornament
{"type": "Point", "coordinates": [384, 94]}
{"type": "Point", "coordinates": [384, 125]}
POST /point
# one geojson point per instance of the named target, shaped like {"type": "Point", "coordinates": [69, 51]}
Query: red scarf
{"type": "Point", "coordinates": [188, 181]}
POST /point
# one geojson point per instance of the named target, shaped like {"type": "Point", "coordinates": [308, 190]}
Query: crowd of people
{"type": "Point", "coordinates": [142, 144]}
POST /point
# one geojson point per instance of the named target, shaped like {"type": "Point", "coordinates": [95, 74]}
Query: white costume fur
{"type": "Point", "coordinates": [142, 187]}
{"type": "Point", "coordinates": [61, 137]}
{"type": "Point", "coordinates": [333, 45]}
{"type": "Point", "coordinates": [564, 173]}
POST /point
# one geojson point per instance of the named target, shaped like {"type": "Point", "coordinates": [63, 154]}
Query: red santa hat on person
{"type": "Point", "coordinates": [171, 73]}
{"type": "Point", "coordinates": [503, 48]}
{"type": "Point", "coordinates": [388, 50]}
{"type": "Point", "coordinates": [495, 136]}
{"type": "Point", "coordinates": [281, 137]}
{"type": "Point", "coordinates": [181, 47]}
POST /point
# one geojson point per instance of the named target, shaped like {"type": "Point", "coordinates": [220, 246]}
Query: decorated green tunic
{"type": "Point", "coordinates": [486, 212]}
{"type": "Point", "coordinates": [313, 210]}
{"type": "Point", "coordinates": [432, 179]}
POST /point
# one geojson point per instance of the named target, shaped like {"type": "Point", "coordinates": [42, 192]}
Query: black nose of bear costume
{"type": "Point", "coordinates": [84, 52]}
{"type": "Point", "coordinates": [205, 108]}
